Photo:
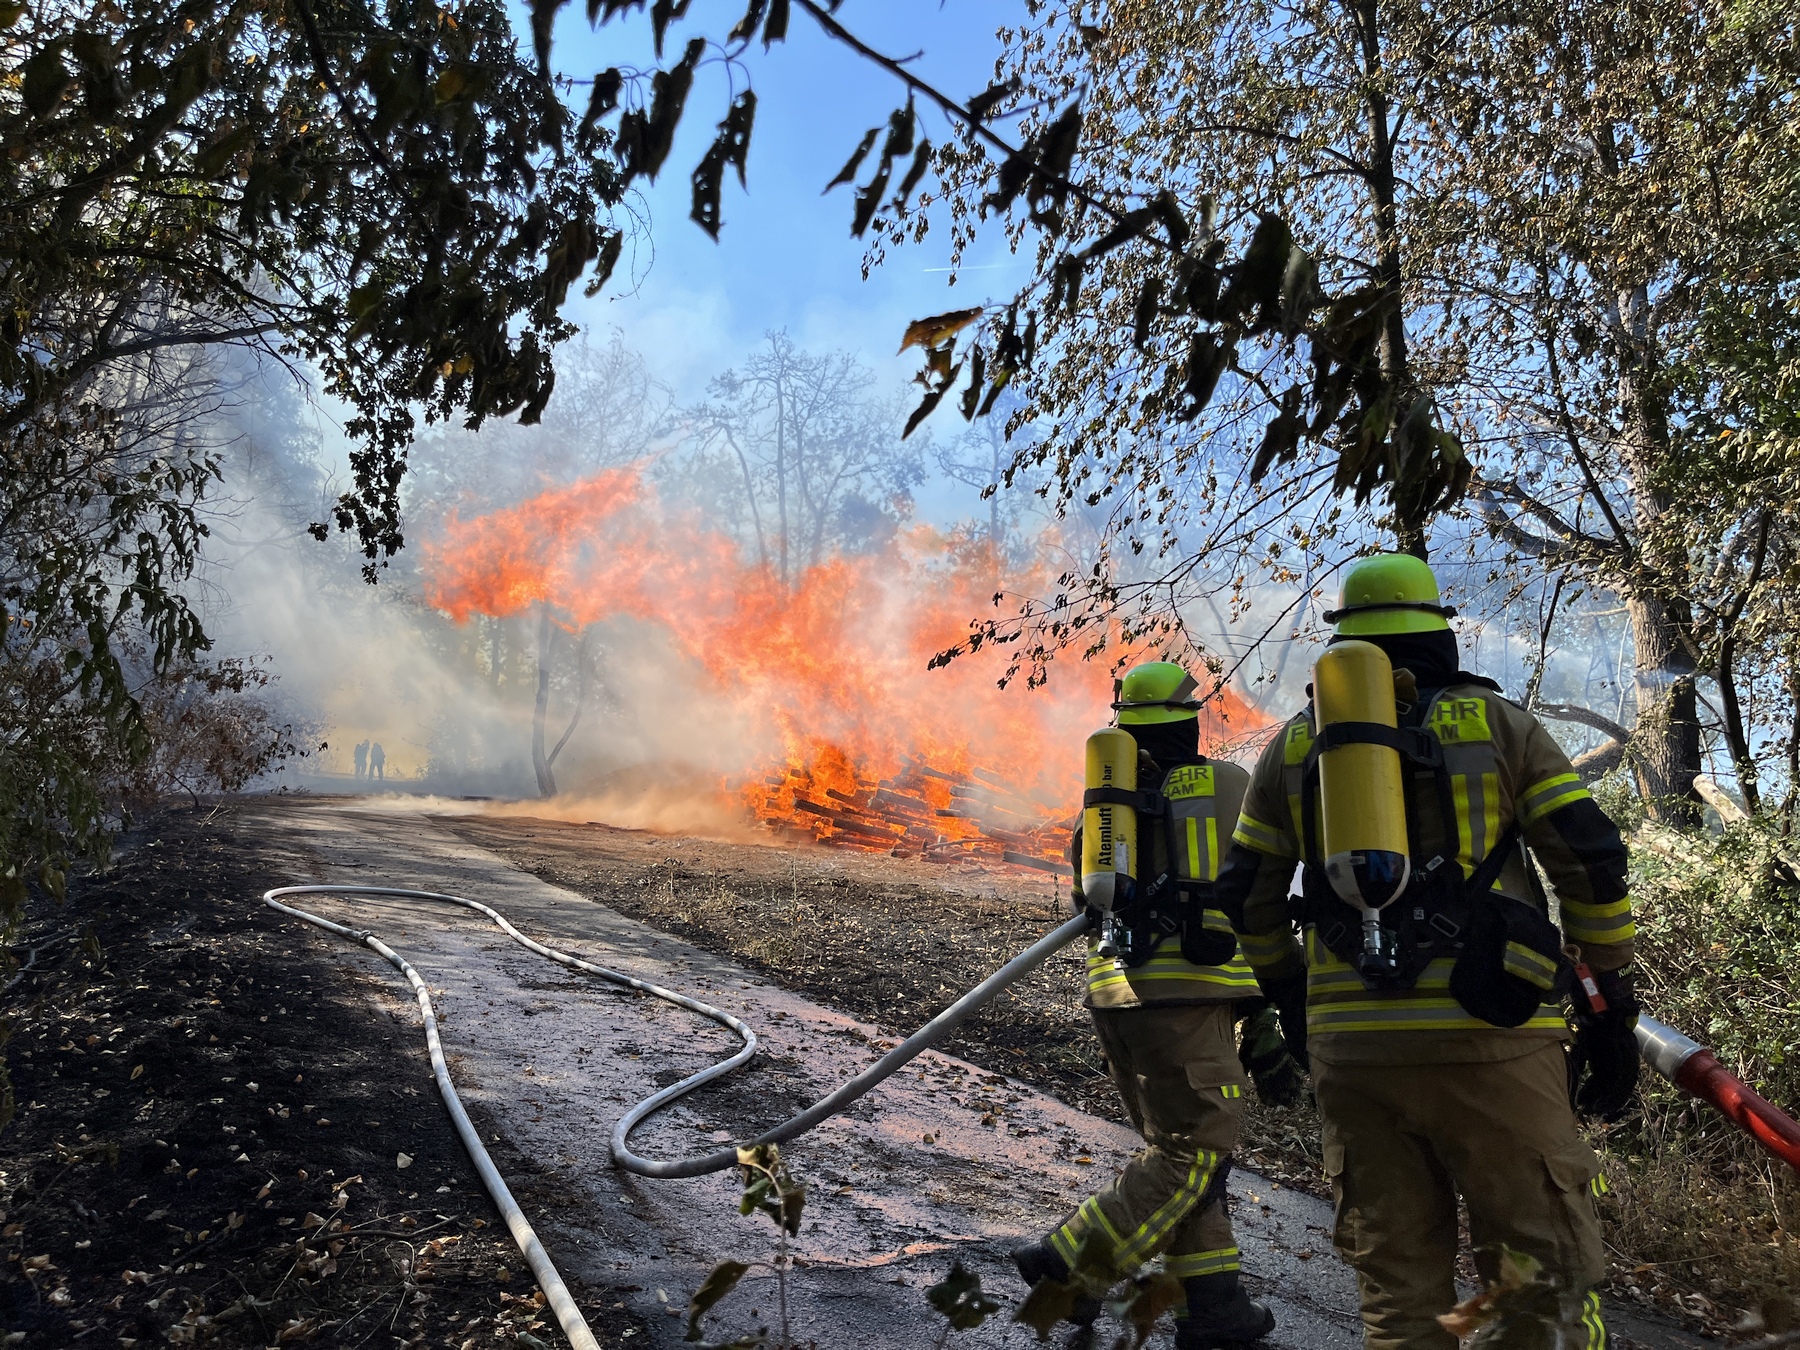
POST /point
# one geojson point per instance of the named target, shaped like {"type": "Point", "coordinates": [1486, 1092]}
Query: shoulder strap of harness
{"type": "Point", "coordinates": [1487, 872]}
{"type": "Point", "coordinates": [1414, 741]}
{"type": "Point", "coordinates": [1415, 720]}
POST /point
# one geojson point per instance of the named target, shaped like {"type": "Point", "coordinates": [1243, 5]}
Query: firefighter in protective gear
{"type": "Point", "coordinates": [1165, 1008]}
{"type": "Point", "coordinates": [1423, 1100]}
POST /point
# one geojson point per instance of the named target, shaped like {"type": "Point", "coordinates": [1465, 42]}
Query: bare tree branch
{"type": "Point", "coordinates": [1545, 514]}
{"type": "Point", "coordinates": [1587, 717]}
{"type": "Point", "coordinates": [1508, 530]}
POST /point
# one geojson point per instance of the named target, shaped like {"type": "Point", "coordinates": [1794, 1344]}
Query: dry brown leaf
{"type": "Point", "coordinates": [1469, 1316]}
{"type": "Point", "coordinates": [930, 332]}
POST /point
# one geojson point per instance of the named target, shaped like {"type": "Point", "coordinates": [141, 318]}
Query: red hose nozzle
{"type": "Point", "coordinates": [1694, 1069]}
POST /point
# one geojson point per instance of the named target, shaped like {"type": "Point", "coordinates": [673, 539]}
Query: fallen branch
{"type": "Point", "coordinates": [31, 959]}
{"type": "Point", "coordinates": [1731, 813]}
{"type": "Point", "coordinates": [1720, 800]}
{"type": "Point", "coordinates": [1661, 840]}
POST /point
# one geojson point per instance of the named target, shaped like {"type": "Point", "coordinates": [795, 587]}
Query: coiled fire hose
{"type": "Point", "coordinates": [556, 1293]}
{"type": "Point", "coordinates": [1694, 1069]}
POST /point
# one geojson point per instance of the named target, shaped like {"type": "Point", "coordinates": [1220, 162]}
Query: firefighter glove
{"type": "Point", "coordinates": [1288, 994]}
{"type": "Point", "coordinates": [1604, 1062]}
{"type": "Point", "coordinates": [1264, 1054]}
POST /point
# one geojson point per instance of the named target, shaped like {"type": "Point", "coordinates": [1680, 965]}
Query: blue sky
{"type": "Point", "coordinates": [786, 258]}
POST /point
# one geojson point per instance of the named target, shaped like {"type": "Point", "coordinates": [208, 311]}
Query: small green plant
{"type": "Point", "coordinates": [769, 1189]}
{"type": "Point", "coordinates": [1137, 1301]}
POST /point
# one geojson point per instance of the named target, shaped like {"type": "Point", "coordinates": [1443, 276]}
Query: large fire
{"type": "Point", "coordinates": [841, 733]}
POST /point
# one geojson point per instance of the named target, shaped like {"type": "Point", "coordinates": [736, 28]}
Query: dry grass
{"type": "Point", "coordinates": [1699, 1217]}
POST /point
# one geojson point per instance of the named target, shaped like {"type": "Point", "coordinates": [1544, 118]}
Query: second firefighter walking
{"type": "Point", "coordinates": [1166, 986]}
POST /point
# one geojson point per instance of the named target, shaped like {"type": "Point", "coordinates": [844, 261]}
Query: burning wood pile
{"type": "Point", "coordinates": [920, 811]}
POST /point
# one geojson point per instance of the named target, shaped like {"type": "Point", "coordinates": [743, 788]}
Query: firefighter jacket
{"type": "Point", "coordinates": [1505, 771]}
{"type": "Point", "coordinates": [1203, 802]}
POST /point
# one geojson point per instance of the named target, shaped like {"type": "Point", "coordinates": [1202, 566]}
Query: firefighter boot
{"type": "Point", "coordinates": [1220, 1314]}
{"type": "Point", "coordinates": [1039, 1261]}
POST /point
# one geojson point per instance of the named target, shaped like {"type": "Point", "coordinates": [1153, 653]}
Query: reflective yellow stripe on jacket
{"type": "Point", "coordinates": [1337, 1001]}
{"type": "Point", "coordinates": [1265, 839]}
{"type": "Point", "coordinates": [1589, 924]}
{"type": "Point", "coordinates": [1583, 922]}
{"type": "Point", "coordinates": [1167, 977]}
{"type": "Point", "coordinates": [1540, 799]}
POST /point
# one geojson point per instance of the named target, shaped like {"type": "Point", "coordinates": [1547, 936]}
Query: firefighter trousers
{"type": "Point", "coordinates": [1402, 1142]}
{"type": "Point", "coordinates": [1177, 1069]}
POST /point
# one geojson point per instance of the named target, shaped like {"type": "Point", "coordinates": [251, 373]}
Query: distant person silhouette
{"type": "Point", "coordinates": [361, 754]}
{"type": "Point", "coordinates": [377, 761]}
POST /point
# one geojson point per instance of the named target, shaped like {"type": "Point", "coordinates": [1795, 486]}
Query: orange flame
{"type": "Point", "coordinates": [848, 736]}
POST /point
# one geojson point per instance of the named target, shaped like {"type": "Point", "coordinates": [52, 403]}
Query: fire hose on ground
{"type": "Point", "coordinates": [556, 1293]}
{"type": "Point", "coordinates": [1683, 1061]}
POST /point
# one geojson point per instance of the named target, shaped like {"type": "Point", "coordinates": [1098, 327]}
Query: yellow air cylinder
{"type": "Point", "coordinates": [1362, 798]}
{"type": "Point", "coordinates": [1109, 829]}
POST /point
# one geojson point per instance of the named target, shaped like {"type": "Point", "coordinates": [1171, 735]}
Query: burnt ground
{"type": "Point", "coordinates": [886, 941]}
{"type": "Point", "coordinates": [173, 1175]}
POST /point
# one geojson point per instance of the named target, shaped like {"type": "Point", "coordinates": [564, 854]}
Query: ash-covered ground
{"type": "Point", "coordinates": [210, 1122]}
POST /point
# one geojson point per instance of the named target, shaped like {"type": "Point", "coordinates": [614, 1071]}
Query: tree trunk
{"type": "Point", "coordinates": [1792, 802]}
{"type": "Point", "coordinates": [1736, 740]}
{"type": "Point", "coordinates": [1666, 742]}
{"type": "Point", "coordinates": [781, 503]}
{"type": "Point", "coordinates": [762, 543]}
{"type": "Point", "coordinates": [581, 684]}
{"type": "Point", "coordinates": [994, 444]}
{"type": "Point", "coordinates": [540, 762]}
{"type": "Point", "coordinates": [1742, 761]}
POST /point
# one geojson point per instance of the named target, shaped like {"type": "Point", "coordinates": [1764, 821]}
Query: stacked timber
{"type": "Point", "coordinates": [921, 811]}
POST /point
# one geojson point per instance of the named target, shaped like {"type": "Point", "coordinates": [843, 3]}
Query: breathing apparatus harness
{"type": "Point", "coordinates": [1508, 955]}
{"type": "Point", "coordinates": [1172, 904]}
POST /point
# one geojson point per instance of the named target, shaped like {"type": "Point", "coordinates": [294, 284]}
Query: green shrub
{"type": "Point", "coordinates": [1697, 1212]}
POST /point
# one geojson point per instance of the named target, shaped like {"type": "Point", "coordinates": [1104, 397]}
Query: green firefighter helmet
{"type": "Point", "coordinates": [1157, 691]}
{"type": "Point", "coordinates": [1389, 593]}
